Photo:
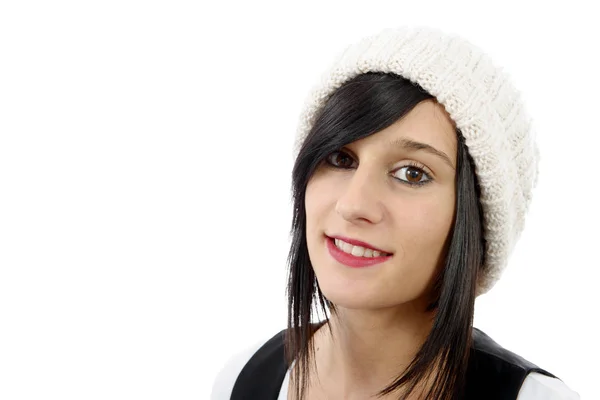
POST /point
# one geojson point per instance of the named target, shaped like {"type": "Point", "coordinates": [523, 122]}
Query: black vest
{"type": "Point", "coordinates": [493, 373]}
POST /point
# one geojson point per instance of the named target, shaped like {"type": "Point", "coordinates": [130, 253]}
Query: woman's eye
{"type": "Point", "coordinates": [410, 174]}
{"type": "Point", "coordinates": [413, 175]}
{"type": "Point", "coordinates": [340, 159]}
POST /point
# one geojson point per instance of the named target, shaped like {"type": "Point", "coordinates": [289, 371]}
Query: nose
{"type": "Point", "coordinates": [360, 202]}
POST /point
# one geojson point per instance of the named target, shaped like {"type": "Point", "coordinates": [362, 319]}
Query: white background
{"type": "Point", "coordinates": [145, 161]}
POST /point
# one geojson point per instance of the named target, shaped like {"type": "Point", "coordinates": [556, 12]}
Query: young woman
{"type": "Point", "coordinates": [415, 164]}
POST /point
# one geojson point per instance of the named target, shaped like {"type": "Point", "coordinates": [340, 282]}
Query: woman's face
{"type": "Point", "coordinates": [398, 197]}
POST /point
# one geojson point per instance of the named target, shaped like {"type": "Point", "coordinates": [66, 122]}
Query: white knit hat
{"type": "Point", "coordinates": [483, 103]}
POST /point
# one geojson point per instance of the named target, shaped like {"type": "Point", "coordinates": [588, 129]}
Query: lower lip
{"type": "Point", "coordinates": [349, 259]}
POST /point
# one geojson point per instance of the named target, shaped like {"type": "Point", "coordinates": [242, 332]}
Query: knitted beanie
{"type": "Point", "coordinates": [483, 103]}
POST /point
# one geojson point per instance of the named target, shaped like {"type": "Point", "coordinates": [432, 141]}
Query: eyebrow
{"type": "Point", "coordinates": [410, 144]}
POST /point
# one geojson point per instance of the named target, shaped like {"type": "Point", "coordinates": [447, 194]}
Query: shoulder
{"type": "Point", "coordinates": [541, 387]}
{"type": "Point", "coordinates": [227, 375]}
{"type": "Point", "coordinates": [495, 369]}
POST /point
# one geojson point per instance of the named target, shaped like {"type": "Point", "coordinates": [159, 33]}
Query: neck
{"type": "Point", "coordinates": [369, 348]}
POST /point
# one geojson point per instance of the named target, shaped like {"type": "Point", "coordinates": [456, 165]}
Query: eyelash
{"type": "Point", "coordinates": [411, 164]}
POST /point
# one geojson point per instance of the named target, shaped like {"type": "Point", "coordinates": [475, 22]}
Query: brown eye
{"type": "Point", "coordinates": [340, 159]}
{"type": "Point", "coordinates": [412, 175]}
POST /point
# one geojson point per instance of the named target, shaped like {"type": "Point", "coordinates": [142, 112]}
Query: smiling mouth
{"type": "Point", "coordinates": [356, 247]}
{"type": "Point", "coordinates": [357, 257]}
{"type": "Point", "coordinates": [358, 251]}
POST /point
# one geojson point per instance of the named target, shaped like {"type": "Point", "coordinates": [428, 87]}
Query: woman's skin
{"type": "Point", "coordinates": [382, 321]}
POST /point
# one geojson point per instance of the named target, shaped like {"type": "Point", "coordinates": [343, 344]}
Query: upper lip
{"type": "Point", "coordinates": [360, 243]}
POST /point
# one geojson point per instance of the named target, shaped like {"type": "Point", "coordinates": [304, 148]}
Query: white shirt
{"type": "Point", "coordinates": [535, 387]}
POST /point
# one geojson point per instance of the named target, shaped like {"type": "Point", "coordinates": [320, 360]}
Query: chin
{"type": "Point", "coordinates": [346, 297]}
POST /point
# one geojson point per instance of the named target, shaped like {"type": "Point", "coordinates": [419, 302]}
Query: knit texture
{"type": "Point", "coordinates": [483, 103]}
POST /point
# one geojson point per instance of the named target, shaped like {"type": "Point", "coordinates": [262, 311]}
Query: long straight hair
{"type": "Point", "coordinates": [361, 107]}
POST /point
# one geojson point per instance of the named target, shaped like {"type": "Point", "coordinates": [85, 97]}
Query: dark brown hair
{"type": "Point", "coordinates": [361, 107]}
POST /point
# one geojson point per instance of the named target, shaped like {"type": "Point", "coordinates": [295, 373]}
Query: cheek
{"type": "Point", "coordinates": [315, 205]}
{"type": "Point", "coordinates": [311, 202]}
{"type": "Point", "coordinates": [424, 229]}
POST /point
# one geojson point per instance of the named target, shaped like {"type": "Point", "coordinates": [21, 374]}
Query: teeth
{"type": "Point", "coordinates": [357, 251]}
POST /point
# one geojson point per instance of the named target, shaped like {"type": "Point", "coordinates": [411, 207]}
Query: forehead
{"type": "Point", "coordinates": [428, 122]}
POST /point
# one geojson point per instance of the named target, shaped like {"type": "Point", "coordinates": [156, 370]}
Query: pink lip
{"type": "Point", "coordinates": [349, 259]}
